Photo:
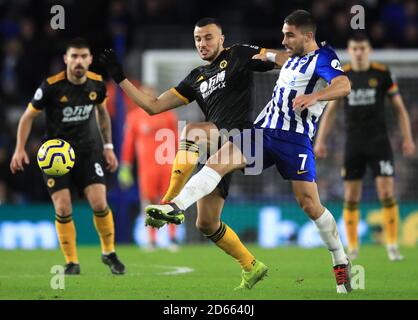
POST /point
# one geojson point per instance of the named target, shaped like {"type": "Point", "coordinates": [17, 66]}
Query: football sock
{"type": "Point", "coordinates": [200, 185]}
{"type": "Point", "coordinates": [185, 161]}
{"type": "Point", "coordinates": [226, 239]}
{"type": "Point", "coordinates": [329, 234]}
{"type": "Point", "coordinates": [351, 216]}
{"type": "Point", "coordinates": [391, 220]}
{"type": "Point", "coordinates": [103, 222]}
{"type": "Point", "coordinates": [67, 237]}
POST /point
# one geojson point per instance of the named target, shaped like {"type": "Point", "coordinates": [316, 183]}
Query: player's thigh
{"type": "Point", "coordinates": [209, 210]}
{"type": "Point", "coordinates": [62, 202]}
{"type": "Point", "coordinates": [306, 194]}
{"type": "Point", "coordinates": [355, 164]}
{"type": "Point", "coordinates": [385, 187]}
{"type": "Point", "coordinates": [352, 190]}
{"type": "Point", "coordinates": [96, 196]}
{"type": "Point", "coordinates": [227, 159]}
{"type": "Point", "coordinates": [90, 169]}
{"type": "Point", "coordinates": [206, 133]}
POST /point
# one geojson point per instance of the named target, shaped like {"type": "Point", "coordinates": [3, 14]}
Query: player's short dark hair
{"type": "Point", "coordinates": [206, 21]}
{"type": "Point", "coordinates": [78, 43]}
{"type": "Point", "coordinates": [301, 19]}
{"type": "Point", "coordinates": [359, 37]}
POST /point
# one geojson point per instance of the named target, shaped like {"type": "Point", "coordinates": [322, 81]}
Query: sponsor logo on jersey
{"type": "Point", "coordinates": [214, 83]}
{"type": "Point", "coordinates": [336, 65]}
{"type": "Point", "coordinates": [359, 97]}
{"type": "Point", "coordinates": [38, 94]}
{"type": "Point", "coordinates": [92, 95]}
{"type": "Point", "coordinates": [223, 64]}
{"type": "Point", "coordinates": [76, 113]}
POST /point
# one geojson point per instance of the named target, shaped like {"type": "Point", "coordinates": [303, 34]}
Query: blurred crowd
{"type": "Point", "coordinates": [30, 50]}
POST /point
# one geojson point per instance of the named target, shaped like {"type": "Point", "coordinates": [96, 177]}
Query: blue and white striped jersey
{"type": "Point", "coordinates": [300, 75]}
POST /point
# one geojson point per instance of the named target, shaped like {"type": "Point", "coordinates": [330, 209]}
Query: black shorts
{"type": "Point", "coordinates": [378, 157]}
{"type": "Point", "coordinates": [88, 169]}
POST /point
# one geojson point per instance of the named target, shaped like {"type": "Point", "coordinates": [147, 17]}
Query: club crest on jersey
{"type": "Point", "coordinates": [214, 83]}
{"type": "Point", "coordinates": [51, 182]}
{"type": "Point", "coordinates": [93, 95]}
{"type": "Point", "coordinates": [223, 64]}
{"type": "Point", "coordinates": [373, 82]}
{"type": "Point", "coordinates": [303, 61]}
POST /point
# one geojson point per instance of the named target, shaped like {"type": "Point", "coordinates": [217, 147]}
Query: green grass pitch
{"type": "Point", "coordinates": [295, 273]}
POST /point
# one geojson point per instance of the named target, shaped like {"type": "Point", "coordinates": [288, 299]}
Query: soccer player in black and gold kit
{"type": "Point", "coordinates": [222, 90]}
{"type": "Point", "coordinates": [70, 100]}
{"type": "Point", "coordinates": [367, 141]}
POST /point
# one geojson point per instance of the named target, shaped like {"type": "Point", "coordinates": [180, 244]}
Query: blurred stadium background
{"type": "Point", "coordinates": [154, 37]}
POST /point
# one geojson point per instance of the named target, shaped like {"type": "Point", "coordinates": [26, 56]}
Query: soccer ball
{"type": "Point", "coordinates": [56, 157]}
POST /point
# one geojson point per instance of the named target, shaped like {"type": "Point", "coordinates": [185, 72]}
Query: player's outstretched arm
{"type": "Point", "coordinates": [20, 157]}
{"type": "Point", "coordinates": [152, 105]}
{"type": "Point", "coordinates": [275, 56]}
{"type": "Point", "coordinates": [408, 145]}
{"type": "Point", "coordinates": [327, 122]}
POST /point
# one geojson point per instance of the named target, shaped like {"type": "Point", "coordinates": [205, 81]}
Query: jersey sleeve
{"type": "Point", "coordinates": [246, 51]}
{"type": "Point", "coordinates": [328, 66]}
{"type": "Point", "coordinates": [102, 96]}
{"type": "Point", "coordinates": [389, 84]}
{"type": "Point", "coordinates": [41, 97]}
{"type": "Point", "coordinates": [184, 89]}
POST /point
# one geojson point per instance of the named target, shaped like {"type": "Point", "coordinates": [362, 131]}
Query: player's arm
{"type": "Point", "coordinates": [20, 157]}
{"type": "Point", "coordinates": [408, 145]}
{"type": "Point", "coordinates": [278, 57]}
{"type": "Point", "coordinates": [106, 131]}
{"type": "Point", "coordinates": [151, 104]}
{"type": "Point", "coordinates": [327, 122]}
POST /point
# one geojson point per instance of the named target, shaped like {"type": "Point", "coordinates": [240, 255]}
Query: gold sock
{"type": "Point", "coordinates": [391, 220]}
{"type": "Point", "coordinates": [351, 215]}
{"type": "Point", "coordinates": [226, 239]}
{"type": "Point", "coordinates": [106, 229]}
{"type": "Point", "coordinates": [67, 237]}
{"type": "Point", "coordinates": [185, 161]}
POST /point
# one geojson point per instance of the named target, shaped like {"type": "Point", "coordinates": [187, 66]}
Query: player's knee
{"type": "Point", "coordinates": [63, 209]}
{"type": "Point", "coordinates": [308, 205]}
{"type": "Point", "coordinates": [206, 226]}
{"type": "Point", "coordinates": [386, 195]}
{"type": "Point", "coordinates": [98, 205]}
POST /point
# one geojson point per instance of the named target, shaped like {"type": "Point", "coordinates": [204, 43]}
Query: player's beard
{"type": "Point", "coordinates": [79, 72]}
{"type": "Point", "coordinates": [213, 56]}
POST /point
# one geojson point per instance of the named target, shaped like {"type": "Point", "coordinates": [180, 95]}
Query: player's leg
{"type": "Point", "coordinates": [193, 135]}
{"type": "Point", "coordinates": [307, 196]}
{"type": "Point", "coordinates": [103, 221]}
{"type": "Point", "coordinates": [351, 214]}
{"type": "Point", "coordinates": [355, 162]}
{"type": "Point", "coordinates": [208, 221]}
{"type": "Point", "coordinates": [227, 159]}
{"type": "Point", "coordinates": [65, 228]}
{"type": "Point", "coordinates": [385, 191]}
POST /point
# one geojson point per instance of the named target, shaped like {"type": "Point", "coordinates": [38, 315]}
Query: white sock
{"type": "Point", "coordinates": [329, 234]}
{"type": "Point", "coordinates": [200, 185]}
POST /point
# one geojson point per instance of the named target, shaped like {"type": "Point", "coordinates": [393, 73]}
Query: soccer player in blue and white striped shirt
{"type": "Point", "coordinates": [309, 78]}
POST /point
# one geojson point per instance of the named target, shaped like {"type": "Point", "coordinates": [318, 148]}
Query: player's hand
{"type": "Point", "coordinates": [19, 158]}
{"type": "Point", "coordinates": [125, 177]}
{"type": "Point", "coordinates": [304, 101]}
{"type": "Point", "coordinates": [109, 59]}
{"type": "Point", "coordinates": [408, 148]}
{"type": "Point", "coordinates": [320, 150]}
{"type": "Point", "coordinates": [111, 160]}
{"type": "Point", "coordinates": [260, 56]}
